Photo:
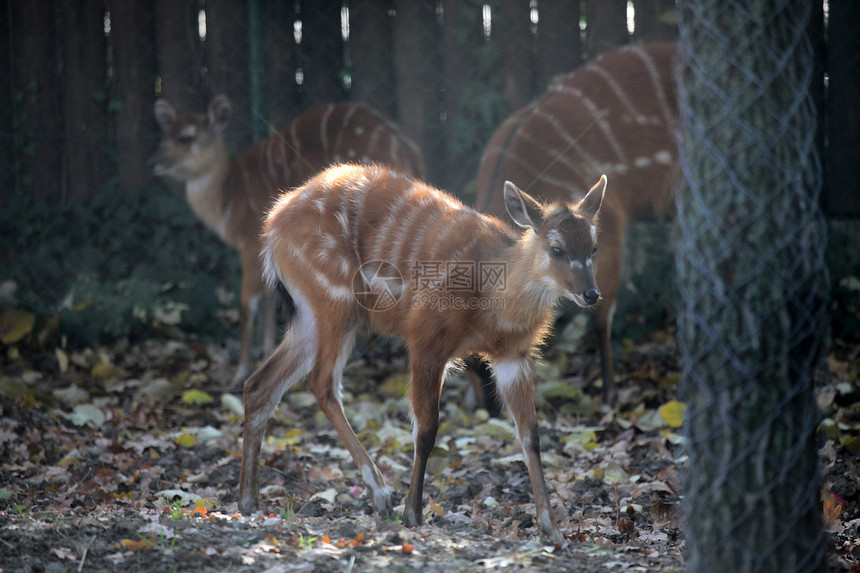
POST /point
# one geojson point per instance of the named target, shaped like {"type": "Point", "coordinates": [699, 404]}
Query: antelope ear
{"type": "Point", "coordinates": [165, 113]}
{"type": "Point", "coordinates": [525, 211]}
{"type": "Point", "coordinates": [219, 113]}
{"type": "Point", "coordinates": [590, 204]}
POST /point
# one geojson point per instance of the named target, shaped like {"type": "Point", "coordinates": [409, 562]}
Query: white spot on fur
{"type": "Point", "coordinates": [343, 220]}
{"type": "Point", "coordinates": [543, 261]}
{"type": "Point", "coordinates": [345, 266]}
{"type": "Point", "coordinates": [337, 371]}
{"type": "Point", "coordinates": [642, 162]}
{"type": "Point", "coordinates": [328, 241]}
{"type": "Point", "coordinates": [334, 292]}
{"type": "Point", "coordinates": [510, 373]}
{"type": "Point", "coordinates": [543, 288]}
{"type": "Point", "coordinates": [663, 157]}
{"type": "Point", "coordinates": [270, 268]}
{"type": "Point", "coordinates": [379, 491]}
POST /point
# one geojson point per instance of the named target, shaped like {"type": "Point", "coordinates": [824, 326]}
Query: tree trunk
{"type": "Point", "coordinates": [753, 287]}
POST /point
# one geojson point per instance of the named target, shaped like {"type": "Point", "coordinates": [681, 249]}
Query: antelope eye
{"type": "Point", "coordinates": [186, 140]}
{"type": "Point", "coordinates": [557, 253]}
{"type": "Point", "coordinates": [594, 252]}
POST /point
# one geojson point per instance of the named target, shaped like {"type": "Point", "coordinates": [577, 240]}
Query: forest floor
{"type": "Point", "coordinates": [126, 457]}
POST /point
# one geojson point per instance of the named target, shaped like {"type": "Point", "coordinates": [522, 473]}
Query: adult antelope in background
{"type": "Point", "coordinates": [232, 196]}
{"type": "Point", "coordinates": [615, 115]}
{"type": "Point", "coordinates": [361, 245]}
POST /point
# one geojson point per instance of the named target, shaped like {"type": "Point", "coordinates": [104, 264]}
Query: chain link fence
{"type": "Point", "coordinates": [753, 286]}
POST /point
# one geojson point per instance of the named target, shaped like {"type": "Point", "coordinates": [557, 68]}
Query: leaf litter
{"type": "Point", "coordinates": [128, 456]}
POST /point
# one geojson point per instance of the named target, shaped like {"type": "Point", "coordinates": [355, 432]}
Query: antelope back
{"type": "Point", "coordinates": [615, 115]}
{"type": "Point", "coordinates": [347, 133]}
{"type": "Point", "coordinates": [370, 243]}
{"type": "Point", "coordinates": [193, 151]}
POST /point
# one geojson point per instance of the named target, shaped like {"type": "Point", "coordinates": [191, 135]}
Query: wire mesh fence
{"type": "Point", "coordinates": [753, 286]}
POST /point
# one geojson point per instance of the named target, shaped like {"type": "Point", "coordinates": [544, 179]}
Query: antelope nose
{"type": "Point", "coordinates": [591, 296]}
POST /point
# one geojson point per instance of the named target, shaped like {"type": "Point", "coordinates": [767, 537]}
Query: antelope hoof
{"type": "Point", "coordinates": [247, 507]}
{"type": "Point", "coordinates": [411, 519]}
{"type": "Point", "coordinates": [552, 535]}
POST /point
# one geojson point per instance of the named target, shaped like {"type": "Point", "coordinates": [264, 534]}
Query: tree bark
{"type": "Point", "coordinates": [753, 287]}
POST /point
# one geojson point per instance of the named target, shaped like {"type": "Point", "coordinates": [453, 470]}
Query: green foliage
{"type": "Point", "coordinates": [106, 265]}
{"type": "Point", "coordinates": [647, 295]}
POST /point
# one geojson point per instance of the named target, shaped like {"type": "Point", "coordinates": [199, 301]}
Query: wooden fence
{"type": "Point", "coordinates": [76, 111]}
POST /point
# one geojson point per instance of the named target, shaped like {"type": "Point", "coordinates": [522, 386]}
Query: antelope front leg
{"type": "Point", "coordinates": [515, 385]}
{"type": "Point", "coordinates": [424, 389]}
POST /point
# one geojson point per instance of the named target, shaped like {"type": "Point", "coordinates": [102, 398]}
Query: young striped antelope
{"type": "Point", "coordinates": [231, 196]}
{"type": "Point", "coordinates": [360, 245]}
{"type": "Point", "coordinates": [614, 115]}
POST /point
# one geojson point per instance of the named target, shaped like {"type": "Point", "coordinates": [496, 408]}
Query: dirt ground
{"type": "Point", "coordinates": [126, 458]}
